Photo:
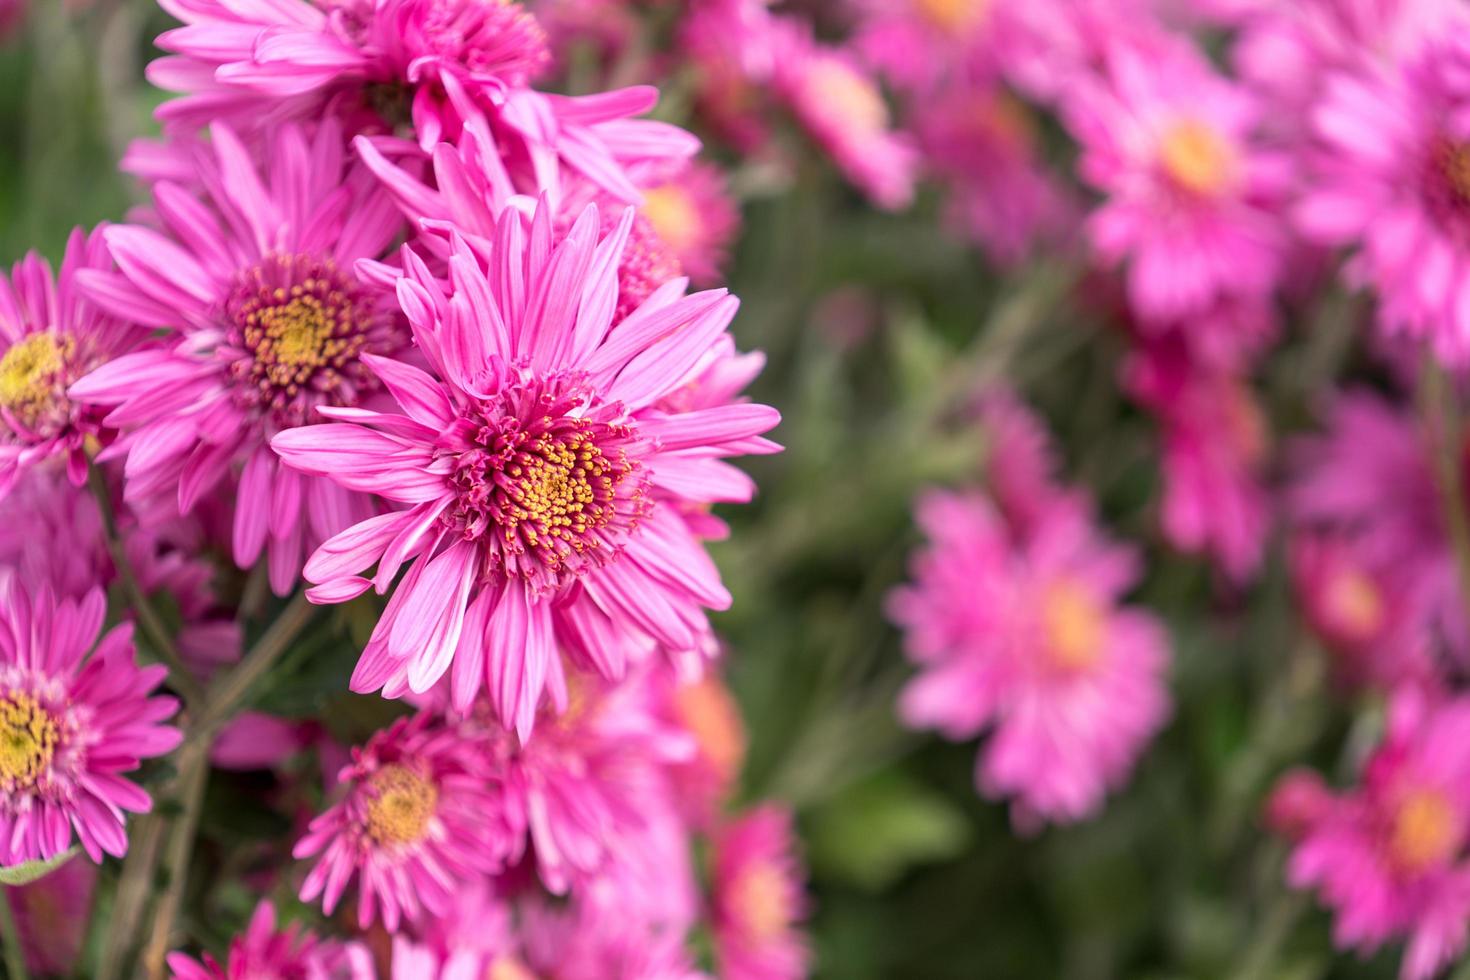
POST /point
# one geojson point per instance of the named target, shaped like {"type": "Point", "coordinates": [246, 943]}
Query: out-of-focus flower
{"type": "Point", "coordinates": [51, 335]}
{"type": "Point", "coordinates": [265, 951]}
{"type": "Point", "coordinates": [419, 815]}
{"type": "Point", "coordinates": [51, 916]}
{"type": "Point", "coordinates": [1026, 638]}
{"type": "Point", "coordinates": [268, 322]}
{"type": "Point", "coordinates": [921, 44]}
{"type": "Point", "coordinates": [543, 478]}
{"type": "Point", "coordinates": [1021, 464]}
{"type": "Point", "coordinates": [1389, 856]}
{"type": "Point", "coordinates": [1391, 179]}
{"type": "Point", "coordinates": [1297, 804]}
{"type": "Point", "coordinates": [691, 212]}
{"type": "Point", "coordinates": [71, 723]}
{"type": "Point", "coordinates": [707, 710]}
{"type": "Point", "coordinates": [1193, 200]}
{"type": "Point", "coordinates": [759, 898]}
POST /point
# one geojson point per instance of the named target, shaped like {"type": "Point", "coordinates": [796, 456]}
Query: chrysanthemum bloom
{"type": "Point", "coordinates": [759, 898]}
{"type": "Point", "coordinates": [839, 103]}
{"type": "Point", "coordinates": [1021, 463]}
{"type": "Point", "coordinates": [72, 724]}
{"type": "Point", "coordinates": [922, 44]}
{"type": "Point", "coordinates": [1297, 804]}
{"type": "Point", "coordinates": [730, 48]}
{"type": "Point", "coordinates": [1389, 856]}
{"type": "Point", "coordinates": [50, 335]}
{"type": "Point", "coordinates": [1192, 200]}
{"type": "Point", "coordinates": [542, 477]}
{"type": "Point", "coordinates": [691, 212]}
{"type": "Point", "coordinates": [576, 943]}
{"type": "Point", "coordinates": [1392, 181]}
{"type": "Point", "coordinates": [1027, 638]}
{"type": "Point", "coordinates": [707, 710]}
{"type": "Point", "coordinates": [261, 63]}
{"type": "Point", "coordinates": [265, 951]}
{"type": "Point", "coordinates": [268, 321]}
{"type": "Point", "coordinates": [1216, 447]}
{"type": "Point", "coordinates": [419, 815]}
{"type": "Point", "coordinates": [51, 916]}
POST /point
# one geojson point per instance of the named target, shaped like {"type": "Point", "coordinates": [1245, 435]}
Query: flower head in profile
{"type": "Point", "coordinates": [759, 898]}
{"type": "Point", "coordinates": [73, 721]}
{"type": "Point", "coordinates": [541, 473]}
{"type": "Point", "coordinates": [253, 64]}
{"type": "Point", "coordinates": [418, 814]}
{"type": "Point", "coordinates": [1389, 855]}
{"type": "Point", "coordinates": [253, 279]}
{"type": "Point", "coordinates": [1026, 638]}
{"type": "Point", "coordinates": [51, 335]}
{"type": "Point", "coordinates": [267, 951]}
{"type": "Point", "coordinates": [1192, 199]}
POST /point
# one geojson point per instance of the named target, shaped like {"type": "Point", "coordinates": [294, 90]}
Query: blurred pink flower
{"type": "Point", "coordinates": [692, 213]}
{"type": "Point", "coordinates": [923, 44]}
{"type": "Point", "coordinates": [74, 719]}
{"type": "Point", "coordinates": [265, 951]}
{"type": "Point", "coordinates": [1389, 856]}
{"type": "Point", "coordinates": [418, 815]}
{"type": "Point", "coordinates": [268, 321]}
{"type": "Point", "coordinates": [542, 476]}
{"type": "Point", "coordinates": [1192, 199]}
{"type": "Point", "coordinates": [759, 898]}
{"type": "Point", "coordinates": [1026, 639]}
{"type": "Point", "coordinates": [51, 335]}
{"type": "Point", "coordinates": [51, 916]}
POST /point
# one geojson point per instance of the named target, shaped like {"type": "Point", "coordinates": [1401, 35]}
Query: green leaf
{"type": "Point", "coordinates": [24, 874]}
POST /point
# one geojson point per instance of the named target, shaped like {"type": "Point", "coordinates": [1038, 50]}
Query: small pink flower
{"type": "Point", "coordinates": [759, 898]}
{"type": "Point", "coordinates": [418, 816]}
{"type": "Point", "coordinates": [923, 44]}
{"type": "Point", "coordinates": [542, 472]}
{"type": "Point", "coordinates": [51, 335]}
{"type": "Point", "coordinates": [265, 951]}
{"type": "Point", "coordinates": [254, 280]}
{"type": "Point", "coordinates": [691, 212]}
{"type": "Point", "coordinates": [72, 722]}
{"type": "Point", "coordinates": [1389, 856]}
{"type": "Point", "coordinates": [1192, 198]}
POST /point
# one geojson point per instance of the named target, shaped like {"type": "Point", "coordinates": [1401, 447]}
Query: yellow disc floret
{"type": "Point", "coordinates": [401, 805]}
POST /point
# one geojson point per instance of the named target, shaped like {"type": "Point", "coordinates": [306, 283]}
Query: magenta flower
{"type": "Point", "coordinates": [73, 722]}
{"type": "Point", "coordinates": [51, 916]}
{"type": "Point", "coordinates": [1389, 856]}
{"type": "Point", "coordinates": [265, 951]}
{"type": "Point", "coordinates": [1026, 639]}
{"type": "Point", "coordinates": [759, 898]}
{"type": "Point", "coordinates": [418, 816]}
{"type": "Point", "coordinates": [925, 44]}
{"type": "Point", "coordinates": [1392, 181]}
{"type": "Point", "coordinates": [246, 65]}
{"type": "Point", "coordinates": [254, 280]}
{"type": "Point", "coordinates": [692, 213]}
{"type": "Point", "coordinates": [1192, 198]}
{"type": "Point", "coordinates": [51, 335]}
{"type": "Point", "coordinates": [541, 475]}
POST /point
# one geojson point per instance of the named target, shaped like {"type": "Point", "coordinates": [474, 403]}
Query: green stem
{"type": "Point", "coordinates": [15, 957]}
{"type": "Point", "coordinates": [1441, 417]}
{"type": "Point", "coordinates": [193, 774]}
{"type": "Point", "coordinates": [229, 693]}
{"type": "Point", "coordinates": [151, 623]}
{"type": "Point", "coordinates": [131, 898]}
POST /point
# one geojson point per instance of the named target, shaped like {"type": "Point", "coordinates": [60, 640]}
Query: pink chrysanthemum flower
{"type": "Point", "coordinates": [707, 710]}
{"type": "Point", "coordinates": [1021, 463]}
{"type": "Point", "coordinates": [265, 951]}
{"type": "Point", "coordinates": [1192, 198]}
{"type": "Point", "coordinates": [542, 476]}
{"type": "Point", "coordinates": [1392, 180]}
{"type": "Point", "coordinates": [419, 815]}
{"type": "Point", "coordinates": [72, 722]}
{"type": "Point", "coordinates": [50, 335]}
{"type": "Point", "coordinates": [251, 64]}
{"type": "Point", "coordinates": [1027, 638]}
{"type": "Point", "coordinates": [51, 915]}
{"type": "Point", "coordinates": [268, 321]}
{"type": "Point", "coordinates": [759, 898]}
{"type": "Point", "coordinates": [1389, 856]}
{"type": "Point", "coordinates": [921, 44]}
{"type": "Point", "coordinates": [691, 212]}
{"type": "Point", "coordinates": [840, 104]}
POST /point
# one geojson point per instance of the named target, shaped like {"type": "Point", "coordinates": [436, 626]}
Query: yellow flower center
{"type": "Point", "coordinates": [401, 807]}
{"type": "Point", "coordinates": [850, 96]}
{"type": "Point", "coordinates": [1425, 832]}
{"type": "Point", "coordinates": [761, 901]}
{"type": "Point", "coordinates": [673, 215]}
{"type": "Point", "coordinates": [1355, 603]}
{"type": "Point", "coordinates": [555, 488]}
{"type": "Point", "coordinates": [30, 376]}
{"type": "Point", "coordinates": [28, 739]}
{"type": "Point", "coordinates": [1197, 157]}
{"type": "Point", "coordinates": [709, 713]}
{"type": "Point", "coordinates": [951, 16]}
{"type": "Point", "coordinates": [1074, 624]}
{"type": "Point", "coordinates": [508, 968]}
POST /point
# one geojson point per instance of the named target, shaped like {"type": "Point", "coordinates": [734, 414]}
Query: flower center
{"type": "Point", "coordinates": [28, 740]}
{"type": "Point", "coordinates": [1073, 626]}
{"type": "Point", "coordinates": [1424, 832]}
{"type": "Point", "coordinates": [544, 481]}
{"type": "Point", "coordinates": [762, 901]}
{"type": "Point", "coordinates": [33, 376]}
{"type": "Point", "coordinates": [1197, 158]}
{"type": "Point", "coordinates": [951, 16]}
{"type": "Point", "coordinates": [401, 806]}
{"type": "Point", "coordinates": [673, 215]}
{"type": "Point", "coordinates": [1354, 603]}
{"type": "Point", "coordinates": [300, 326]}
